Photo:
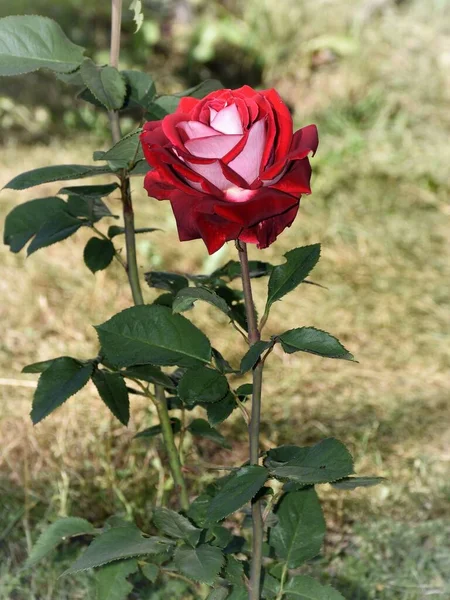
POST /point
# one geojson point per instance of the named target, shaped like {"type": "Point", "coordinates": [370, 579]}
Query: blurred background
{"type": "Point", "coordinates": [374, 75]}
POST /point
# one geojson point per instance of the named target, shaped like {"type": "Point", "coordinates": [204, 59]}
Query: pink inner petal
{"type": "Point", "coordinates": [195, 129]}
{"type": "Point", "coordinates": [227, 120]}
{"type": "Point", "coordinates": [237, 194]}
{"type": "Point", "coordinates": [248, 163]}
{"type": "Point", "coordinates": [212, 147]}
{"type": "Point", "coordinates": [212, 114]}
{"type": "Point", "coordinates": [213, 173]}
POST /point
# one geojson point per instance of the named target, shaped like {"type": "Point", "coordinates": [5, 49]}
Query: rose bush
{"type": "Point", "coordinates": [230, 165]}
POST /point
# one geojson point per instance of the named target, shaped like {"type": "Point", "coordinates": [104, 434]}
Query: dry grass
{"type": "Point", "coordinates": [379, 209]}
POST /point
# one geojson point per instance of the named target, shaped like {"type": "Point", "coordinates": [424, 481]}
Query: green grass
{"type": "Point", "coordinates": [380, 209]}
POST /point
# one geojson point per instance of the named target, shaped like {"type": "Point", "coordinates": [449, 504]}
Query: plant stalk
{"type": "Point", "coordinates": [253, 337]}
{"type": "Point", "coordinates": [132, 267]}
{"type": "Point", "coordinates": [171, 449]}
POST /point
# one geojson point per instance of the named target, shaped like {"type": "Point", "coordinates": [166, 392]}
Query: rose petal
{"type": "Point", "coordinates": [216, 231]}
{"type": "Point", "coordinates": [248, 163]}
{"type": "Point", "coordinates": [212, 147]}
{"type": "Point", "coordinates": [265, 203]}
{"type": "Point", "coordinates": [304, 141]}
{"type": "Point", "coordinates": [265, 233]}
{"type": "Point", "coordinates": [212, 172]}
{"type": "Point", "coordinates": [187, 104]}
{"type": "Point", "coordinates": [296, 180]}
{"type": "Point", "coordinates": [195, 129]}
{"type": "Point", "coordinates": [228, 120]}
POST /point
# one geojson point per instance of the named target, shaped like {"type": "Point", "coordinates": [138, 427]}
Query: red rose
{"type": "Point", "coordinates": [230, 166]}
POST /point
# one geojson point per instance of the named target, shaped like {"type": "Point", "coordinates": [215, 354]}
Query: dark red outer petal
{"type": "Point", "coordinates": [187, 104]}
{"type": "Point", "coordinates": [296, 180]}
{"type": "Point", "coordinates": [171, 179]}
{"type": "Point", "coordinates": [283, 120]}
{"type": "Point", "coordinates": [267, 111]}
{"type": "Point", "coordinates": [304, 141]}
{"type": "Point", "coordinates": [170, 129]}
{"type": "Point", "coordinates": [266, 232]}
{"type": "Point", "coordinates": [265, 204]}
{"type": "Point", "coordinates": [216, 231]}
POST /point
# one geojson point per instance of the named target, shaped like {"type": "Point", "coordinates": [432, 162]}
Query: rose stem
{"type": "Point", "coordinates": [132, 268]}
{"type": "Point", "coordinates": [253, 337]}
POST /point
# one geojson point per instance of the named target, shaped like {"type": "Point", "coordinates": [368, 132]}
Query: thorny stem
{"type": "Point", "coordinates": [253, 337]}
{"type": "Point", "coordinates": [132, 267]}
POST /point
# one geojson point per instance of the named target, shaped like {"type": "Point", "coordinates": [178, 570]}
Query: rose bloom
{"type": "Point", "coordinates": [230, 165]}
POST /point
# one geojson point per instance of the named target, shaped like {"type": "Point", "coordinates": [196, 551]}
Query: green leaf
{"type": "Point", "coordinates": [150, 374]}
{"type": "Point", "coordinates": [232, 269]}
{"type": "Point", "coordinates": [200, 564]}
{"type": "Point", "coordinates": [175, 525]}
{"type": "Point", "coordinates": [25, 220]}
{"type": "Point", "coordinates": [31, 42]}
{"type": "Point", "coordinates": [112, 583]}
{"type": "Point", "coordinates": [89, 191]}
{"type": "Point", "coordinates": [116, 544]}
{"type": "Point", "coordinates": [234, 570]}
{"type": "Point", "coordinates": [221, 363]}
{"type": "Point", "coordinates": [300, 530]}
{"type": "Point", "coordinates": [54, 173]}
{"type": "Point", "coordinates": [253, 354]}
{"type": "Point", "coordinates": [38, 367]}
{"type": "Point", "coordinates": [314, 341]}
{"type": "Point", "coordinates": [114, 393]}
{"type": "Point", "coordinates": [85, 201]}
{"type": "Point", "coordinates": [219, 593]}
{"type": "Point", "coordinates": [105, 83]}
{"type": "Point", "coordinates": [152, 334]}
{"type": "Point", "coordinates": [140, 168]}
{"type": "Point", "coordinates": [141, 88]}
{"type": "Point", "coordinates": [161, 107]}
{"type": "Point", "coordinates": [271, 587]}
{"type": "Point", "coordinates": [240, 488]}
{"type": "Point", "coordinates": [198, 509]}
{"type": "Point", "coordinates": [186, 298]}
{"type": "Point", "coordinates": [61, 380]}
{"type": "Point", "coordinates": [284, 278]}
{"type": "Point", "coordinates": [324, 462]}
{"type": "Point", "coordinates": [219, 411]}
{"type": "Point", "coordinates": [157, 429]}
{"type": "Point", "coordinates": [239, 592]}
{"type": "Point", "coordinates": [302, 587]}
{"type": "Point", "coordinates": [114, 230]}
{"type": "Point", "coordinates": [201, 428]}
{"type": "Point", "coordinates": [55, 534]}
{"type": "Point", "coordinates": [125, 153]}
{"type": "Point", "coordinates": [244, 390]}
{"type": "Point", "coordinates": [92, 209]}
{"type": "Point", "coordinates": [201, 89]}
{"type": "Point", "coordinates": [350, 483]}
{"type": "Point", "coordinates": [172, 282]}
{"type": "Point", "coordinates": [58, 228]}
{"type": "Point", "coordinates": [219, 536]}
{"type": "Point", "coordinates": [98, 254]}
{"type": "Point", "coordinates": [202, 385]}
{"type": "Point", "coordinates": [150, 571]}
{"type": "Point", "coordinates": [234, 299]}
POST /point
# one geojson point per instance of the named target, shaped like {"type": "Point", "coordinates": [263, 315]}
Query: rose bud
{"type": "Point", "coordinates": [230, 165]}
